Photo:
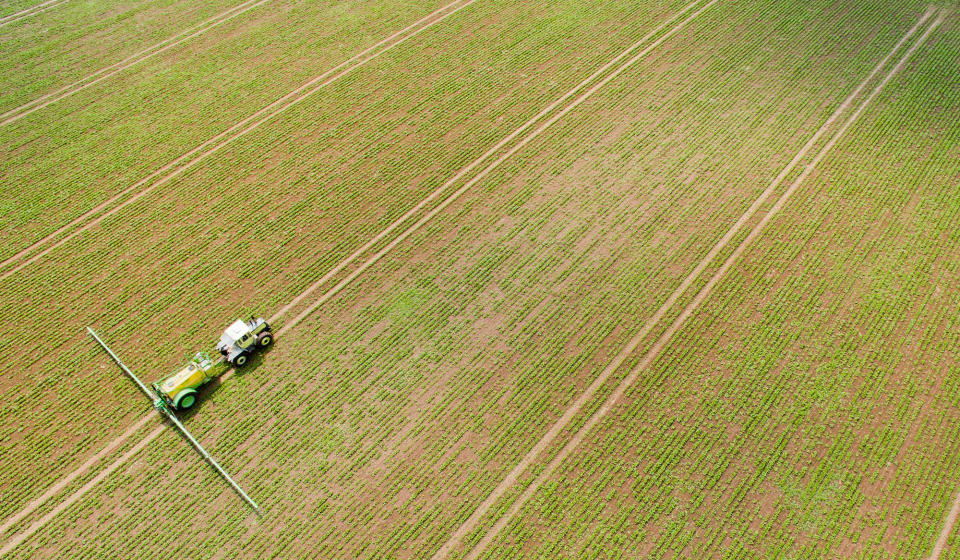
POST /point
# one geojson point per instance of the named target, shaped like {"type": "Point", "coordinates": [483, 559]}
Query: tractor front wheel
{"type": "Point", "coordinates": [265, 339]}
{"type": "Point", "coordinates": [240, 360]}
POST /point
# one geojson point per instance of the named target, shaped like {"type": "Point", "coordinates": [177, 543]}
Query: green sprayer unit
{"type": "Point", "coordinates": [180, 390]}
{"type": "Point", "coordinates": [237, 343]}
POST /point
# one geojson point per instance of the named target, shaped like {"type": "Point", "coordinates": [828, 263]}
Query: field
{"type": "Point", "coordinates": [569, 279]}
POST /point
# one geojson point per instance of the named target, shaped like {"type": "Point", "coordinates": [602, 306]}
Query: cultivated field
{"type": "Point", "coordinates": [568, 279]}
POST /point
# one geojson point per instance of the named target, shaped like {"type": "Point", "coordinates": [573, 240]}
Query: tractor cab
{"type": "Point", "coordinates": [239, 333]}
{"type": "Point", "coordinates": [242, 338]}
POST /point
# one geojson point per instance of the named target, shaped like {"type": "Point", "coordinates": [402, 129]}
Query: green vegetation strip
{"type": "Point", "coordinates": [48, 99]}
{"type": "Point", "coordinates": [28, 12]}
{"type": "Point", "coordinates": [67, 47]}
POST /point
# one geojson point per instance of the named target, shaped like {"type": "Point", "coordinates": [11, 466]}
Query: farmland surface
{"type": "Point", "coordinates": [52, 49]}
{"type": "Point", "coordinates": [704, 303]}
{"type": "Point", "coordinates": [825, 419]}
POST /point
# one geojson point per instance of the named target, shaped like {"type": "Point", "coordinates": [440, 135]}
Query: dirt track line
{"type": "Point", "coordinates": [17, 113]}
{"type": "Point", "coordinates": [333, 291]}
{"type": "Point", "coordinates": [33, 10]}
{"type": "Point", "coordinates": [33, 505]}
{"type": "Point", "coordinates": [948, 524]}
{"type": "Point", "coordinates": [20, 537]}
{"type": "Point", "coordinates": [27, 10]}
{"type": "Point", "coordinates": [665, 338]}
{"type": "Point", "coordinates": [215, 144]}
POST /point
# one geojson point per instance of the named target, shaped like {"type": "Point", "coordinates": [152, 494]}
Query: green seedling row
{"type": "Point", "coordinates": [48, 51]}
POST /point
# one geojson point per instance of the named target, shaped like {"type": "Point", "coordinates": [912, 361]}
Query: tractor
{"type": "Point", "coordinates": [179, 390]}
{"type": "Point", "coordinates": [242, 338]}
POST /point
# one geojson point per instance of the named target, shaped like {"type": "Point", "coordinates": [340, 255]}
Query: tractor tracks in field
{"type": "Point", "coordinates": [475, 520]}
{"type": "Point", "coordinates": [64, 482]}
{"type": "Point", "coordinates": [31, 11]}
{"type": "Point", "coordinates": [442, 198]}
{"type": "Point", "coordinates": [17, 113]}
{"type": "Point", "coordinates": [93, 217]}
{"type": "Point", "coordinates": [69, 501]}
{"type": "Point", "coordinates": [947, 528]}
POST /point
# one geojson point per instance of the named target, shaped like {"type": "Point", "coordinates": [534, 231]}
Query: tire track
{"type": "Point", "coordinates": [218, 142]}
{"type": "Point", "coordinates": [36, 525]}
{"type": "Point", "coordinates": [59, 486]}
{"type": "Point", "coordinates": [948, 524]}
{"type": "Point", "coordinates": [339, 286]}
{"type": "Point", "coordinates": [31, 11]}
{"type": "Point", "coordinates": [474, 520]}
{"type": "Point", "coordinates": [18, 113]}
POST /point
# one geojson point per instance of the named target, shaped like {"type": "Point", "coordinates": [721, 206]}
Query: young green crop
{"type": "Point", "coordinates": [379, 423]}
{"type": "Point", "coordinates": [801, 365]}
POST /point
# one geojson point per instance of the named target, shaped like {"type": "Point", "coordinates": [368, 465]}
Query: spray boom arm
{"type": "Point", "coordinates": [161, 405]}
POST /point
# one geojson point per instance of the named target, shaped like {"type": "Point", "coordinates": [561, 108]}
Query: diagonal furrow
{"type": "Point", "coordinates": [18, 113]}
{"type": "Point", "coordinates": [947, 528]}
{"type": "Point", "coordinates": [473, 522]}
{"type": "Point", "coordinates": [31, 11]}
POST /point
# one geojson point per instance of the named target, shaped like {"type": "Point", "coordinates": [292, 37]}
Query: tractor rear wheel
{"type": "Point", "coordinates": [186, 399]}
{"type": "Point", "coordinates": [240, 360]}
{"type": "Point", "coordinates": [265, 339]}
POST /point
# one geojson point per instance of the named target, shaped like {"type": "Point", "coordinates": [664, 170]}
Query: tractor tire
{"type": "Point", "coordinates": [239, 361]}
{"type": "Point", "coordinates": [265, 339]}
{"type": "Point", "coordinates": [185, 400]}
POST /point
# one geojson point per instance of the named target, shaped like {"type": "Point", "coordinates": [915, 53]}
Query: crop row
{"type": "Point", "coordinates": [50, 50]}
{"type": "Point", "coordinates": [79, 152]}
{"type": "Point", "coordinates": [234, 245]}
{"type": "Point", "coordinates": [19, 10]}
{"type": "Point", "coordinates": [807, 411]}
{"type": "Point", "coordinates": [386, 417]}
{"type": "Point", "coordinates": [10, 9]}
